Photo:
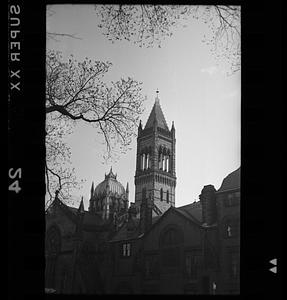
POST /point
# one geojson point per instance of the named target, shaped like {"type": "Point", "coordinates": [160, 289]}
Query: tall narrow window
{"type": "Point", "coordinates": [161, 194]}
{"type": "Point", "coordinates": [147, 161]}
{"type": "Point", "coordinates": [167, 164]}
{"type": "Point", "coordinates": [167, 196]}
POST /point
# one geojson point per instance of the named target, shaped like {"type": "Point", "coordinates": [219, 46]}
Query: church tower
{"type": "Point", "coordinates": [155, 163]}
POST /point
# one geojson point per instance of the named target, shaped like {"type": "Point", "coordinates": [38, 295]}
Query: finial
{"type": "Point", "coordinates": [157, 98]}
{"type": "Point", "coordinates": [172, 126]}
{"type": "Point", "coordinates": [140, 126]}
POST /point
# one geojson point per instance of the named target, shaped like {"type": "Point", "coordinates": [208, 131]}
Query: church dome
{"type": "Point", "coordinates": [110, 184]}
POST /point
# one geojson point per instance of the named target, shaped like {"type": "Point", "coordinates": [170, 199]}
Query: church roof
{"type": "Point", "coordinates": [125, 234]}
{"type": "Point", "coordinates": [231, 181]}
{"type": "Point", "coordinates": [156, 115]}
{"type": "Point", "coordinates": [192, 211]}
{"type": "Point", "coordinates": [110, 184]}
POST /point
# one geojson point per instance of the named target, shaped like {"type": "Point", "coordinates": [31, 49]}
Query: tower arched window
{"type": "Point", "coordinates": [160, 160]}
{"type": "Point", "coordinates": [167, 164]}
{"type": "Point", "coordinates": [143, 161]}
{"type": "Point", "coordinates": [147, 161]}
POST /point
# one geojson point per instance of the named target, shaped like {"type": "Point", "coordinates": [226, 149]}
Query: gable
{"type": "Point", "coordinates": [59, 217]}
{"type": "Point", "coordinates": [190, 230]}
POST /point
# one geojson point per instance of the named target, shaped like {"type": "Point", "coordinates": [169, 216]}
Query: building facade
{"type": "Point", "coordinates": [148, 246]}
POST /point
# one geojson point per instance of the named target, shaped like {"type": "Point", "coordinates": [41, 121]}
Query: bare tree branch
{"type": "Point", "coordinates": [75, 91]}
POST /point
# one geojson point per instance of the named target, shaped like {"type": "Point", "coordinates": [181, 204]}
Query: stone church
{"type": "Point", "coordinates": [148, 246]}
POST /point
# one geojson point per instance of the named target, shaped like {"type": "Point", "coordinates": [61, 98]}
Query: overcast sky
{"type": "Point", "coordinates": [196, 93]}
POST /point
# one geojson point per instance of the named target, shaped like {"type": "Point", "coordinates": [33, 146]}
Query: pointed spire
{"type": "Point", "coordinates": [92, 190]}
{"type": "Point", "coordinates": [172, 126]}
{"type": "Point", "coordinates": [81, 208]}
{"type": "Point", "coordinates": [156, 116]}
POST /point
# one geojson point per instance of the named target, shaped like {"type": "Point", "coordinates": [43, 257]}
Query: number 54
{"type": "Point", "coordinates": [14, 186]}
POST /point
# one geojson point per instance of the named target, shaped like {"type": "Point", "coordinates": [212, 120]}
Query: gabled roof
{"type": "Point", "coordinates": [91, 222]}
{"type": "Point", "coordinates": [193, 211]}
{"type": "Point", "coordinates": [156, 114]}
{"type": "Point", "coordinates": [125, 234]}
{"type": "Point", "coordinates": [231, 181]}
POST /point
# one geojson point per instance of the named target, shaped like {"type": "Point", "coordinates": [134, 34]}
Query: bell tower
{"type": "Point", "coordinates": [155, 162]}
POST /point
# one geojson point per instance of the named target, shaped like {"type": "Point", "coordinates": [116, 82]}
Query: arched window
{"type": "Point", "coordinates": [167, 196]}
{"type": "Point", "coordinates": [161, 194]}
{"type": "Point", "coordinates": [170, 241]}
{"type": "Point", "coordinates": [167, 164]}
{"type": "Point", "coordinates": [160, 161]}
{"type": "Point", "coordinates": [143, 161]}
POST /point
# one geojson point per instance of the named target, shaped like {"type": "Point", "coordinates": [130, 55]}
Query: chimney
{"type": "Point", "coordinates": [208, 202]}
{"type": "Point", "coordinates": [146, 214]}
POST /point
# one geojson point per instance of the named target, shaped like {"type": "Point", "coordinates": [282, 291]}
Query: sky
{"type": "Point", "coordinates": [194, 91]}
